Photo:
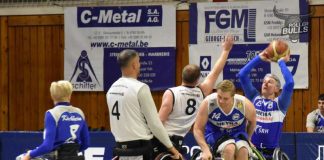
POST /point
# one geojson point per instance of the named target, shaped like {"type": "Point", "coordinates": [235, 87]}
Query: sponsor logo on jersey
{"type": "Point", "coordinates": [264, 116]}
{"type": "Point", "coordinates": [71, 118]}
{"type": "Point", "coordinates": [259, 129]}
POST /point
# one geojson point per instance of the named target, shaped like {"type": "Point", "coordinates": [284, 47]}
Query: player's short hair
{"type": "Point", "coordinates": [190, 73]}
{"type": "Point", "coordinates": [61, 90]}
{"type": "Point", "coordinates": [276, 78]}
{"type": "Point", "coordinates": [226, 86]}
{"type": "Point", "coordinates": [321, 97]}
{"type": "Point", "coordinates": [125, 57]}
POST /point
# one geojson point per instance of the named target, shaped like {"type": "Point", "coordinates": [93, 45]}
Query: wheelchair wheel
{"type": "Point", "coordinates": [257, 155]}
{"type": "Point", "coordinates": [163, 156]}
{"type": "Point", "coordinates": [279, 155]}
{"type": "Point", "coordinates": [195, 155]}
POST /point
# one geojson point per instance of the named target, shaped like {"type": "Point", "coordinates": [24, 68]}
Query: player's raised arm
{"type": "Point", "coordinates": [208, 84]}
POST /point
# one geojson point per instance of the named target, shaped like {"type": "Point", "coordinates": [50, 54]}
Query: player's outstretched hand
{"type": "Point", "coordinates": [264, 56]}
{"type": "Point", "coordinates": [228, 42]}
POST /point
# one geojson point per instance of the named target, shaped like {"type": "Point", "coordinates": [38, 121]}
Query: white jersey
{"type": "Point", "coordinates": [315, 120]}
{"type": "Point", "coordinates": [186, 101]}
{"type": "Point", "coordinates": [126, 119]}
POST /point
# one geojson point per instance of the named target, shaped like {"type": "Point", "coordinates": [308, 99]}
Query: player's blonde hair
{"type": "Point", "coordinates": [61, 91]}
{"type": "Point", "coordinates": [226, 86]}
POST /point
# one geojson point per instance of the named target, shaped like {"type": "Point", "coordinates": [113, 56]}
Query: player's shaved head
{"type": "Point", "coordinates": [190, 73]}
{"type": "Point", "coordinates": [125, 57]}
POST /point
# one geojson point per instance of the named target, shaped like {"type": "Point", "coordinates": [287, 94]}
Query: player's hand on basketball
{"type": "Point", "coordinates": [265, 56]}
{"type": "Point", "coordinates": [228, 42]}
{"type": "Point", "coordinates": [26, 156]}
{"type": "Point", "coordinates": [206, 155]}
{"type": "Point", "coordinates": [285, 58]}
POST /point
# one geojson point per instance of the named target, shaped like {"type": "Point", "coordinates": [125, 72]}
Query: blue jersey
{"type": "Point", "coordinates": [220, 123]}
{"type": "Point", "coordinates": [269, 122]}
{"type": "Point", "coordinates": [315, 120]}
{"type": "Point", "coordinates": [270, 113]}
{"type": "Point", "coordinates": [63, 124]}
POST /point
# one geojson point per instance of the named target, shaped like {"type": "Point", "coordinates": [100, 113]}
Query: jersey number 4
{"type": "Point", "coordinates": [190, 109]}
{"type": "Point", "coordinates": [115, 111]}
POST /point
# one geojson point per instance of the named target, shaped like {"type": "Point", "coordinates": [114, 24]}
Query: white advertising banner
{"type": "Point", "coordinates": [253, 24]}
{"type": "Point", "coordinates": [94, 36]}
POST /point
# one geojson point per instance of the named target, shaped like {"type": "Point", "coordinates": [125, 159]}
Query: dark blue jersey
{"type": "Point", "coordinates": [220, 123]}
{"type": "Point", "coordinates": [63, 124]}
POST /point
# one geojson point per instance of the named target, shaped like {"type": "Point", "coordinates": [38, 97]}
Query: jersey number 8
{"type": "Point", "coordinates": [190, 109]}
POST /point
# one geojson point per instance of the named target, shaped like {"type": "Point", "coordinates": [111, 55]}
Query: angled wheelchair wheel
{"type": "Point", "coordinates": [163, 156]}
{"type": "Point", "coordinates": [257, 155]}
{"type": "Point", "coordinates": [195, 155]}
{"type": "Point", "coordinates": [279, 155]}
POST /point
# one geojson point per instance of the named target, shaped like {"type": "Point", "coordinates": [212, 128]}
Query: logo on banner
{"type": "Point", "coordinates": [320, 152]}
{"type": "Point", "coordinates": [205, 63]}
{"type": "Point", "coordinates": [294, 24]}
{"type": "Point", "coordinates": [293, 62]}
{"type": "Point", "coordinates": [95, 153]}
{"type": "Point", "coordinates": [120, 16]}
{"type": "Point", "coordinates": [231, 19]}
{"type": "Point", "coordinates": [84, 69]}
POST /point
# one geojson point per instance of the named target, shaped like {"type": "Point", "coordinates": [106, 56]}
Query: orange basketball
{"type": "Point", "coordinates": [277, 49]}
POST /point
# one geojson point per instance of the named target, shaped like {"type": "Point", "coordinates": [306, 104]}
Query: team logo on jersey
{"type": "Point", "coordinates": [236, 117]}
{"type": "Point", "coordinates": [258, 102]}
{"type": "Point", "coordinates": [268, 104]}
{"type": "Point", "coordinates": [85, 71]}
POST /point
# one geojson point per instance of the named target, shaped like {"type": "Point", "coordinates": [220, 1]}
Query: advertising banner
{"type": "Point", "coordinates": [253, 25]}
{"type": "Point", "coordinates": [298, 146]}
{"type": "Point", "coordinates": [94, 36]}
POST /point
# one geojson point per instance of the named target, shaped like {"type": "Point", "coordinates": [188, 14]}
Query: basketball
{"type": "Point", "coordinates": [277, 49]}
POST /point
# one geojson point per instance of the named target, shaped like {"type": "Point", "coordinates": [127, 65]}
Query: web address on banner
{"type": "Point", "coordinates": [131, 44]}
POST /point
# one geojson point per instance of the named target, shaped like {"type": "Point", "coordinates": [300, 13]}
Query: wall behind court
{"type": "Point", "coordinates": [32, 56]}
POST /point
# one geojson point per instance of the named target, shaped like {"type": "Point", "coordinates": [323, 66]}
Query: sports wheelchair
{"type": "Point", "coordinates": [68, 151]}
{"type": "Point", "coordinates": [256, 155]}
{"type": "Point", "coordinates": [279, 155]}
